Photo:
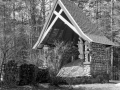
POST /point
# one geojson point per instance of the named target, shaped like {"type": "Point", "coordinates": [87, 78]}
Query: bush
{"type": "Point", "coordinates": [95, 78]}
{"type": "Point", "coordinates": [11, 73]}
{"type": "Point", "coordinates": [71, 80]}
{"type": "Point", "coordinates": [100, 77]}
{"type": "Point", "coordinates": [81, 80]}
{"type": "Point", "coordinates": [59, 81]}
{"type": "Point", "coordinates": [25, 74]}
{"type": "Point", "coordinates": [28, 74]}
{"type": "Point", "coordinates": [43, 76]}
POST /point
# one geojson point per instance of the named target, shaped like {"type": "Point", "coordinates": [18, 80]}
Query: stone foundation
{"type": "Point", "coordinates": [87, 69]}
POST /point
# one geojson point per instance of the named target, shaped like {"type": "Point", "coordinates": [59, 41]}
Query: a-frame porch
{"type": "Point", "coordinates": [67, 22]}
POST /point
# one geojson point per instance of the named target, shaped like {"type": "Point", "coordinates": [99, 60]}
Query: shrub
{"type": "Point", "coordinates": [30, 74]}
{"type": "Point", "coordinates": [24, 74]}
{"type": "Point", "coordinates": [82, 80]}
{"type": "Point", "coordinates": [100, 77]}
{"type": "Point", "coordinates": [43, 76]}
{"type": "Point", "coordinates": [96, 78]}
{"type": "Point", "coordinates": [11, 73]}
{"type": "Point", "coordinates": [58, 81]}
{"type": "Point", "coordinates": [59, 56]}
{"type": "Point", "coordinates": [72, 80]}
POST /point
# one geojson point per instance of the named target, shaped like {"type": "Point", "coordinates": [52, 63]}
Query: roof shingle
{"type": "Point", "coordinates": [81, 19]}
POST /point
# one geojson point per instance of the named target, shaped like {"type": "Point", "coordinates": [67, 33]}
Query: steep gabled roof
{"type": "Point", "coordinates": [80, 24]}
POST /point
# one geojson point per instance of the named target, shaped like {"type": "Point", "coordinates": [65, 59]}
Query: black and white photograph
{"type": "Point", "coordinates": [59, 44]}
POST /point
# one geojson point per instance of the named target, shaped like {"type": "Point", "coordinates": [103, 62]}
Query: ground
{"type": "Point", "coordinates": [75, 87]}
{"type": "Point", "coordinates": [97, 87]}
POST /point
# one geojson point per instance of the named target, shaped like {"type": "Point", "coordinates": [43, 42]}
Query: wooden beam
{"type": "Point", "coordinates": [82, 34]}
{"type": "Point", "coordinates": [53, 22]}
{"type": "Point", "coordinates": [112, 62]}
{"type": "Point", "coordinates": [66, 22]}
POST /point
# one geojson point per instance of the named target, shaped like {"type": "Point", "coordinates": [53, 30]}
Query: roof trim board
{"type": "Point", "coordinates": [53, 22]}
{"type": "Point", "coordinates": [46, 24]}
{"type": "Point", "coordinates": [63, 19]}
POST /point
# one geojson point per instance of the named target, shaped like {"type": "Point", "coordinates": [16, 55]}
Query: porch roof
{"type": "Point", "coordinates": [102, 40]}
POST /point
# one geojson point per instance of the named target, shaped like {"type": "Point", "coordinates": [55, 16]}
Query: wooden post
{"type": "Point", "coordinates": [111, 62]}
{"type": "Point", "coordinates": [86, 63]}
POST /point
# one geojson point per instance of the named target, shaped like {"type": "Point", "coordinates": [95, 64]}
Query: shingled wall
{"type": "Point", "coordinates": [100, 58]}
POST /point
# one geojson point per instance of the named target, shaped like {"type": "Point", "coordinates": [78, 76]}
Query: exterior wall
{"type": "Point", "coordinates": [100, 58]}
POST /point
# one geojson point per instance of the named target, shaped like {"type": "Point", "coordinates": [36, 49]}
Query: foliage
{"type": "Point", "coordinates": [55, 55]}
{"type": "Point", "coordinates": [58, 56]}
{"type": "Point", "coordinates": [11, 73]}
{"type": "Point", "coordinates": [22, 41]}
{"type": "Point", "coordinates": [105, 13]}
{"type": "Point", "coordinates": [28, 74]}
{"type": "Point", "coordinates": [101, 77]}
{"type": "Point", "coordinates": [59, 81]}
{"type": "Point", "coordinates": [43, 76]}
{"type": "Point", "coordinates": [54, 58]}
{"type": "Point", "coordinates": [21, 22]}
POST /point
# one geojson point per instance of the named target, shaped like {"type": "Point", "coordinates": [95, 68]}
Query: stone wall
{"type": "Point", "coordinates": [100, 58]}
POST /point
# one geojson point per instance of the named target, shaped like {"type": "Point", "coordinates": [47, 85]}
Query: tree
{"type": "Point", "coordinates": [21, 22]}
{"type": "Point", "coordinates": [106, 13]}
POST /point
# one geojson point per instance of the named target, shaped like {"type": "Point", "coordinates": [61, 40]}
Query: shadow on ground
{"type": "Point", "coordinates": [66, 87]}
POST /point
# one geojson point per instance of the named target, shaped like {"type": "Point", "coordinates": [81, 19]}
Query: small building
{"type": "Point", "coordinates": [68, 22]}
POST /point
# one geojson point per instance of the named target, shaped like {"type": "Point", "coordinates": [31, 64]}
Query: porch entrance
{"type": "Point", "coordinates": [116, 70]}
{"type": "Point", "coordinates": [116, 65]}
